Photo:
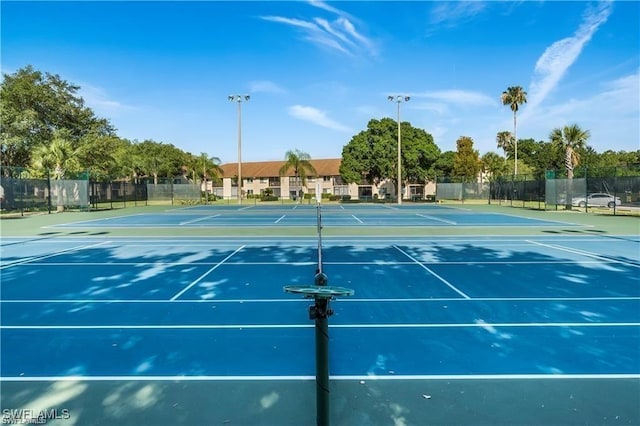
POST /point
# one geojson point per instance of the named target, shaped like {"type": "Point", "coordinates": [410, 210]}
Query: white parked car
{"type": "Point", "coordinates": [596, 199]}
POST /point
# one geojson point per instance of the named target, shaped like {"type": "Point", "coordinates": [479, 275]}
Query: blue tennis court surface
{"type": "Point", "coordinates": [529, 321]}
{"type": "Point", "coordinates": [302, 215]}
{"type": "Point", "coordinates": [423, 307]}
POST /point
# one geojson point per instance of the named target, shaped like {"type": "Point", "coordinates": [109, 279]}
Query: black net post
{"type": "Point", "coordinates": [320, 313]}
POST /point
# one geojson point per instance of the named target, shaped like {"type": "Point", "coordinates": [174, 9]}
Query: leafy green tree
{"type": "Point", "coordinates": [443, 166]}
{"type": "Point", "coordinates": [371, 155]}
{"type": "Point", "coordinates": [33, 106]}
{"type": "Point", "coordinates": [156, 159]}
{"type": "Point", "coordinates": [97, 153]}
{"type": "Point", "coordinates": [466, 162]}
{"type": "Point", "coordinates": [493, 165]}
{"type": "Point", "coordinates": [514, 96]}
{"type": "Point", "coordinates": [300, 162]}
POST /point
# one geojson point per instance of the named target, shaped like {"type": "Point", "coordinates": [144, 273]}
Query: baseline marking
{"type": "Point", "coordinates": [205, 274]}
{"type": "Point", "coordinates": [332, 377]}
{"type": "Point", "coordinates": [349, 300]}
{"type": "Point", "coordinates": [454, 288]}
{"type": "Point", "coordinates": [277, 326]}
{"type": "Point", "coordinates": [198, 219]}
{"type": "Point", "coordinates": [72, 249]}
{"type": "Point", "coordinates": [450, 222]}
{"type": "Point", "coordinates": [354, 216]}
{"type": "Point", "coordinates": [279, 219]}
{"type": "Point", "coordinates": [583, 253]}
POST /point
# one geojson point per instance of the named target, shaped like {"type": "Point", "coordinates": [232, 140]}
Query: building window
{"type": "Point", "coordinates": [274, 181]}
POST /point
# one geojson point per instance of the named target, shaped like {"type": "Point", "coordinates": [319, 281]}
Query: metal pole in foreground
{"type": "Point", "coordinates": [239, 99]}
{"type": "Point", "coordinates": [320, 313]}
{"type": "Point", "coordinates": [322, 363]}
{"type": "Point", "coordinates": [399, 99]}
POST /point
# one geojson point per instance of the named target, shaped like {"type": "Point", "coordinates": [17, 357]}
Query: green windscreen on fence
{"type": "Point", "coordinates": [177, 193]}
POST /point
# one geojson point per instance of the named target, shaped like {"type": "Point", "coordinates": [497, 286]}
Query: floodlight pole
{"type": "Point", "coordinates": [239, 99]}
{"type": "Point", "coordinates": [399, 99]}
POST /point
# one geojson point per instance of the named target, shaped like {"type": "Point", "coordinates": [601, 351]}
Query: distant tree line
{"type": "Point", "coordinates": [45, 127]}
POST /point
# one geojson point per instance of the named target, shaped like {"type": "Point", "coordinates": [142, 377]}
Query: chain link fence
{"type": "Point", "coordinates": [614, 190]}
{"type": "Point", "coordinates": [21, 192]}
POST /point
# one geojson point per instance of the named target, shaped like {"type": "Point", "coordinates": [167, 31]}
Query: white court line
{"type": "Point", "coordinates": [245, 208]}
{"type": "Point", "coordinates": [583, 253]}
{"type": "Point", "coordinates": [354, 216]}
{"type": "Point", "coordinates": [205, 274]}
{"type": "Point", "coordinates": [72, 249]}
{"type": "Point", "coordinates": [451, 222]}
{"type": "Point", "coordinates": [336, 326]}
{"type": "Point", "coordinates": [279, 219]}
{"type": "Point", "coordinates": [95, 220]}
{"type": "Point", "coordinates": [451, 286]}
{"type": "Point", "coordinates": [391, 263]}
{"type": "Point", "coordinates": [346, 300]}
{"type": "Point", "coordinates": [366, 377]}
{"type": "Point", "coordinates": [198, 219]}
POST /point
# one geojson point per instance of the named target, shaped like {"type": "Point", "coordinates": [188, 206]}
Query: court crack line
{"type": "Point", "coordinates": [451, 286]}
{"type": "Point", "coordinates": [206, 273]}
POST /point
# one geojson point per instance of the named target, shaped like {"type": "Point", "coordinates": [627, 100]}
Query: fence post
{"type": "Point", "coordinates": [48, 191]}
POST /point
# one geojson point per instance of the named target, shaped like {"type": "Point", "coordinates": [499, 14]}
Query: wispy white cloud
{"type": "Point", "coordinates": [99, 100]}
{"type": "Point", "coordinates": [265, 86]}
{"type": "Point", "coordinates": [291, 21]}
{"type": "Point", "coordinates": [339, 34]}
{"type": "Point", "coordinates": [557, 58]}
{"type": "Point", "coordinates": [607, 114]}
{"type": "Point", "coordinates": [451, 14]}
{"type": "Point", "coordinates": [316, 116]}
{"type": "Point", "coordinates": [325, 6]}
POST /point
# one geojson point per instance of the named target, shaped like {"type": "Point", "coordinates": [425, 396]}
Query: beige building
{"type": "Point", "coordinates": [262, 175]}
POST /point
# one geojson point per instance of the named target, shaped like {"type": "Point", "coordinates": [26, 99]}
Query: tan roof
{"type": "Point", "coordinates": [264, 169]}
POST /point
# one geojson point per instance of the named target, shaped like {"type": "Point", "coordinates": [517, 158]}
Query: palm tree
{"type": "Point", "coordinates": [58, 156]}
{"type": "Point", "coordinates": [514, 97]}
{"type": "Point", "coordinates": [301, 164]}
{"type": "Point", "coordinates": [210, 167]}
{"type": "Point", "coordinates": [570, 139]}
{"type": "Point", "coordinates": [504, 141]}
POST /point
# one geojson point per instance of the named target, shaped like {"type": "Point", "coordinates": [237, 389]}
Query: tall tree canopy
{"type": "Point", "coordinates": [372, 154]}
{"type": "Point", "coordinates": [33, 106]}
{"type": "Point", "coordinates": [466, 162]}
{"type": "Point", "coordinates": [514, 96]}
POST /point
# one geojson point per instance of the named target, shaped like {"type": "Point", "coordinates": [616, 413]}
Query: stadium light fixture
{"type": "Point", "coordinates": [399, 99]}
{"type": "Point", "coordinates": [239, 99]}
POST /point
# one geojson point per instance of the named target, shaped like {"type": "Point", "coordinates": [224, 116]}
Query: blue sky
{"type": "Point", "coordinates": [317, 72]}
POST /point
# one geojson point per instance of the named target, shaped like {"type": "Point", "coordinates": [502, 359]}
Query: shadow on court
{"type": "Point", "coordinates": [209, 273]}
{"type": "Point", "coordinates": [292, 403]}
